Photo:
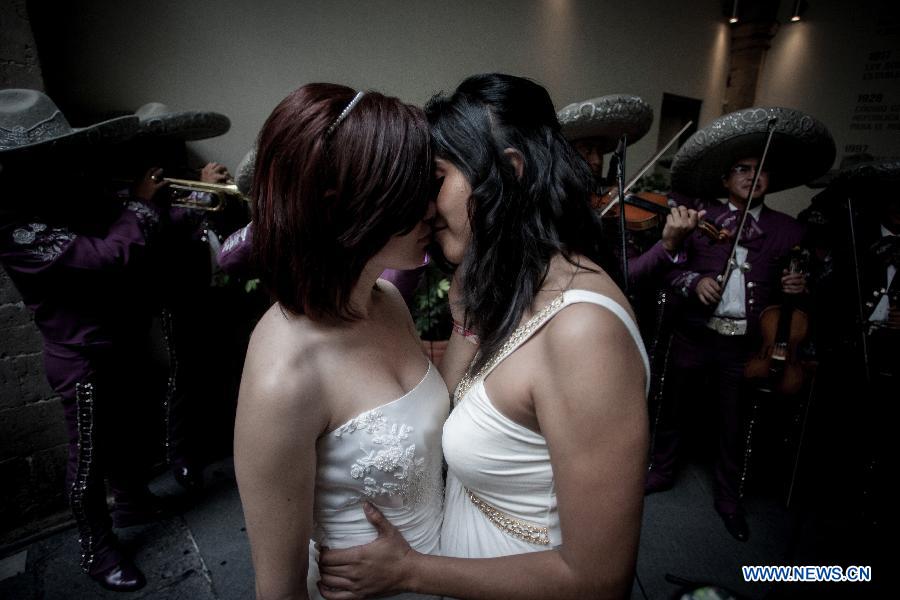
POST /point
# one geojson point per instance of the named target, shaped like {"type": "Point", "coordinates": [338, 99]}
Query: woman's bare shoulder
{"type": "Point", "coordinates": [580, 273]}
{"type": "Point", "coordinates": [281, 369]}
{"type": "Point", "coordinates": [584, 328]}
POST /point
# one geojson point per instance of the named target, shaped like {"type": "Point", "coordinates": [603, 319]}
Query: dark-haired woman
{"type": "Point", "coordinates": [546, 445]}
{"type": "Point", "coordinates": [338, 405]}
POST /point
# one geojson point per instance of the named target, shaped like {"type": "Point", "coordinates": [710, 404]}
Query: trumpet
{"type": "Point", "coordinates": [182, 194]}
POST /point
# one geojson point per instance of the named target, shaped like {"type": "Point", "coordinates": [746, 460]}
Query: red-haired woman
{"type": "Point", "coordinates": [338, 405]}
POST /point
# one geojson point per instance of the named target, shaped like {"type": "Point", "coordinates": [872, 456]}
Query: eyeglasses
{"type": "Point", "coordinates": [742, 169]}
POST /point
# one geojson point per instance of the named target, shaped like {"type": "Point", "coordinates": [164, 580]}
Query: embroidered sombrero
{"type": "Point", "coordinates": [802, 149]}
{"type": "Point", "coordinates": [30, 119]}
{"type": "Point", "coordinates": [885, 170]}
{"type": "Point", "coordinates": [607, 118]}
{"type": "Point", "coordinates": [846, 162]}
{"type": "Point", "coordinates": [157, 119]}
{"type": "Point", "coordinates": [243, 178]}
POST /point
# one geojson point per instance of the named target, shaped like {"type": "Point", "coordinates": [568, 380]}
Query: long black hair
{"type": "Point", "coordinates": [518, 223]}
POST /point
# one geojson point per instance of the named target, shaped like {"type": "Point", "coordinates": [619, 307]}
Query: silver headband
{"type": "Point", "coordinates": [344, 113]}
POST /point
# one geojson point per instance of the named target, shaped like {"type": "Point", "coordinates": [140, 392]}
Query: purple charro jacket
{"type": "Point", "coordinates": [83, 289]}
{"type": "Point", "coordinates": [774, 235]}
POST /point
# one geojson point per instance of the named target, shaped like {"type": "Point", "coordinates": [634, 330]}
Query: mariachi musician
{"type": "Point", "coordinates": [866, 309]}
{"type": "Point", "coordinates": [80, 258]}
{"type": "Point", "coordinates": [594, 128]}
{"type": "Point", "coordinates": [718, 330]}
{"type": "Point", "coordinates": [184, 263]}
{"type": "Point", "coordinates": [879, 244]}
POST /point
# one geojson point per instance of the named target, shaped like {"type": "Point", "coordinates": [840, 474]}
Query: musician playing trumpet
{"type": "Point", "coordinates": [197, 219]}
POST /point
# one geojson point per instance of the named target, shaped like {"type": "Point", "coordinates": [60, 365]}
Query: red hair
{"type": "Point", "coordinates": [325, 205]}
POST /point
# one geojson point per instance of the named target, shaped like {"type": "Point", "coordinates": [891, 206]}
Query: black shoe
{"type": "Point", "coordinates": [736, 525]}
{"type": "Point", "coordinates": [189, 477]}
{"type": "Point", "coordinates": [123, 576]}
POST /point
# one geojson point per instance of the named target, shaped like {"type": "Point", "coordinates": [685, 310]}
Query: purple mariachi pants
{"type": "Point", "coordinates": [696, 353]}
{"type": "Point", "coordinates": [106, 416]}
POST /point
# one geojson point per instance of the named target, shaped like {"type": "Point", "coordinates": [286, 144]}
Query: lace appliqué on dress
{"type": "Point", "coordinates": [371, 421]}
{"type": "Point", "coordinates": [394, 457]}
{"type": "Point", "coordinates": [42, 242]}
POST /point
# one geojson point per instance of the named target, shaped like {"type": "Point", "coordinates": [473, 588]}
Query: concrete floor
{"type": "Point", "coordinates": [202, 552]}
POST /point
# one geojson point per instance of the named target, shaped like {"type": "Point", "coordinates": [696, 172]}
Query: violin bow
{"type": "Point", "coordinates": [731, 264]}
{"type": "Point", "coordinates": [620, 180]}
{"type": "Point", "coordinates": [643, 170]}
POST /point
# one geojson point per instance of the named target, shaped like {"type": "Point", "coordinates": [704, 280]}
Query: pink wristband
{"type": "Point", "coordinates": [470, 335]}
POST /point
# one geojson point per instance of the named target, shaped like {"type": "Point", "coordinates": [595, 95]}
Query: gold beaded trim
{"type": "Point", "coordinates": [510, 344]}
{"type": "Point", "coordinates": [529, 532]}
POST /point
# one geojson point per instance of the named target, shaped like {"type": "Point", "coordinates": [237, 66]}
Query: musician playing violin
{"type": "Point", "coordinates": [594, 127]}
{"type": "Point", "coordinates": [718, 329]}
{"type": "Point", "coordinates": [737, 182]}
{"type": "Point", "coordinates": [646, 267]}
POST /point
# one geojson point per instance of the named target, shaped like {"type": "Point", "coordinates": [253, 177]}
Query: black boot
{"type": "Point", "coordinates": [113, 570]}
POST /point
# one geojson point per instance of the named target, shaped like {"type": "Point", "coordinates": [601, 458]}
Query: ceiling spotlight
{"type": "Point", "coordinates": [734, 13]}
{"type": "Point", "coordinates": [795, 16]}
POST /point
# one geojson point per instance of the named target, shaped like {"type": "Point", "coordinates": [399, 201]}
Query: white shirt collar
{"type": "Point", "coordinates": [885, 232]}
{"type": "Point", "coordinates": [753, 211]}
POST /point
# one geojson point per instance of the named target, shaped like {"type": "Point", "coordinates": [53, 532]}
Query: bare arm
{"type": "Point", "coordinates": [589, 399]}
{"type": "Point", "coordinates": [278, 421]}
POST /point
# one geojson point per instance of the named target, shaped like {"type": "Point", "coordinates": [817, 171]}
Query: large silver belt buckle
{"type": "Point", "coordinates": [725, 326]}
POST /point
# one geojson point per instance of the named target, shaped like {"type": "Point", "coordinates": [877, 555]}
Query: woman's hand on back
{"type": "Point", "coordinates": [376, 568]}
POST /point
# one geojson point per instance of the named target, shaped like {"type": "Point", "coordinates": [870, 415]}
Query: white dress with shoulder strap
{"type": "Point", "coordinates": [500, 492]}
{"type": "Point", "coordinates": [391, 456]}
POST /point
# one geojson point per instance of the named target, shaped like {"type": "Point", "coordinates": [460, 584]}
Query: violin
{"type": "Point", "coordinates": [645, 210]}
{"type": "Point", "coordinates": [783, 329]}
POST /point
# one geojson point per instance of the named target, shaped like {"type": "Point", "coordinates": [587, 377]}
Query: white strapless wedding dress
{"type": "Point", "coordinates": [391, 456]}
{"type": "Point", "coordinates": [501, 497]}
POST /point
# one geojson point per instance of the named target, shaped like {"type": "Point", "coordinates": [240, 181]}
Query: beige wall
{"type": "Point", "coordinates": [241, 61]}
{"type": "Point", "coordinates": [817, 65]}
{"type": "Point", "coordinates": [228, 56]}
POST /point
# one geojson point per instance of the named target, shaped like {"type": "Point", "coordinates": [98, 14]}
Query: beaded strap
{"type": "Point", "coordinates": [534, 534]}
{"type": "Point", "coordinates": [508, 346]}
